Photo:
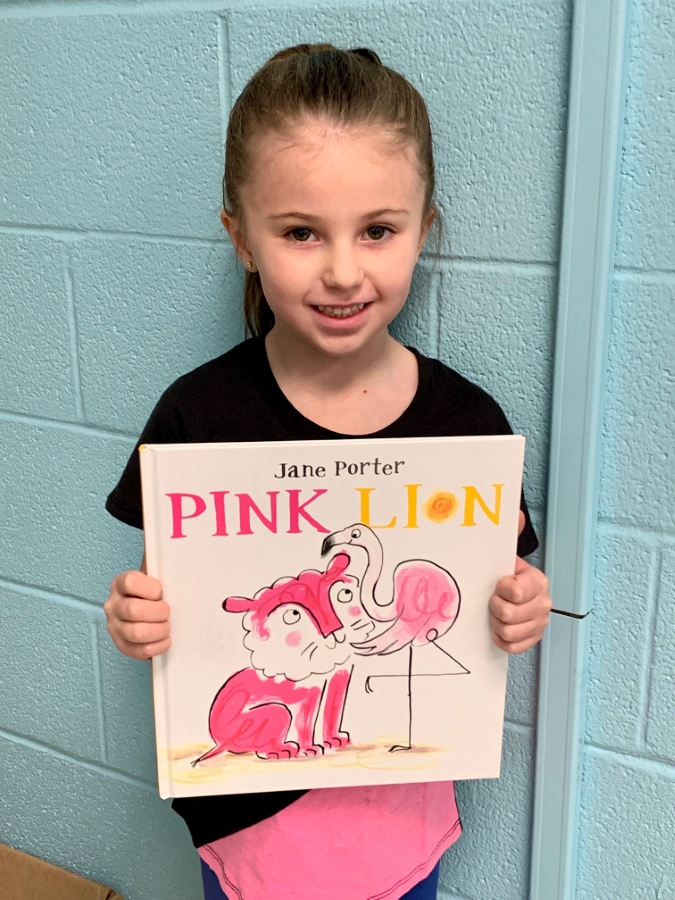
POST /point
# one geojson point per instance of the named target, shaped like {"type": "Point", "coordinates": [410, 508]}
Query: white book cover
{"type": "Point", "coordinates": [329, 610]}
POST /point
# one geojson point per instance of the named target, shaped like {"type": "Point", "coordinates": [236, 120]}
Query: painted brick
{"type": "Point", "coordinates": [626, 831]}
{"type": "Point", "coordinates": [523, 680]}
{"type": "Point", "coordinates": [148, 313]}
{"type": "Point", "coordinates": [497, 330]}
{"type": "Point", "coordinates": [497, 106]}
{"type": "Point", "coordinates": [521, 688]}
{"type": "Point", "coordinates": [661, 718]}
{"type": "Point", "coordinates": [55, 531]}
{"type": "Point", "coordinates": [491, 860]}
{"type": "Point", "coordinates": [38, 377]}
{"type": "Point", "coordinates": [114, 832]}
{"type": "Point", "coordinates": [620, 631]}
{"type": "Point", "coordinates": [646, 234]}
{"type": "Point", "coordinates": [638, 459]}
{"type": "Point", "coordinates": [116, 123]}
{"type": "Point", "coordinates": [46, 656]}
{"type": "Point", "coordinates": [126, 685]}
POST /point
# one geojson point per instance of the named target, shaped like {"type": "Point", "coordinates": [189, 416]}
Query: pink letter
{"type": "Point", "coordinates": [247, 505]}
{"type": "Point", "coordinates": [297, 509]}
{"type": "Point", "coordinates": [219, 506]}
{"type": "Point", "coordinates": [178, 514]}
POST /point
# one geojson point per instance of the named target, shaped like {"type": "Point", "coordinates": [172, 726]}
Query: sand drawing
{"type": "Point", "coordinates": [302, 633]}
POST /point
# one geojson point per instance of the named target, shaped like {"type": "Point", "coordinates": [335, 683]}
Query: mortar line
{"type": "Point", "coordinates": [63, 233]}
{"type": "Point", "coordinates": [518, 728]}
{"type": "Point", "coordinates": [653, 585]}
{"type": "Point", "coordinates": [650, 765]}
{"type": "Point", "coordinates": [61, 425]}
{"type": "Point", "coordinates": [81, 762]}
{"type": "Point", "coordinates": [72, 332]}
{"type": "Point", "coordinates": [94, 8]}
{"type": "Point", "coordinates": [52, 595]}
{"type": "Point", "coordinates": [641, 532]}
{"type": "Point", "coordinates": [454, 264]}
{"type": "Point", "coordinates": [458, 263]}
{"type": "Point", "coordinates": [98, 690]}
{"type": "Point", "coordinates": [633, 273]}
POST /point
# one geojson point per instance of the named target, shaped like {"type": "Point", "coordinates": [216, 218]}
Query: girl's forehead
{"type": "Point", "coordinates": [314, 159]}
{"type": "Point", "coordinates": [319, 139]}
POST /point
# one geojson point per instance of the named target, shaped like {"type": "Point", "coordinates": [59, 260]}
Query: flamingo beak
{"type": "Point", "coordinates": [330, 542]}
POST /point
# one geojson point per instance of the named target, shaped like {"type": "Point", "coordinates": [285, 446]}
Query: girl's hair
{"type": "Point", "coordinates": [345, 87]}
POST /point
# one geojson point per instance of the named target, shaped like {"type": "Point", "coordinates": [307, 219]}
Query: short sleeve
{"type": "Point", "coordinates": [165, 426]}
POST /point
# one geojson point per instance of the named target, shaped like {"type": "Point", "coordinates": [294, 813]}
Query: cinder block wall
{"type": "Point", "coordinates": [115, 278]}
{"type": "Point", "coordinates": [628, 800]}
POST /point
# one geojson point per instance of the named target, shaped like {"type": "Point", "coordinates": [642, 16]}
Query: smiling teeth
{"type": "Point", "coordinates": [341, 312]}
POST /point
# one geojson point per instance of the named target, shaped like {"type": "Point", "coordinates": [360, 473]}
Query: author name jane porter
{"type": "Point", "coordinates": [340, 467]}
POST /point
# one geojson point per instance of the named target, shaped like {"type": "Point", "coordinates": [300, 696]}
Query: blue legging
{"type": "Point", "coordinates": [424, 890]}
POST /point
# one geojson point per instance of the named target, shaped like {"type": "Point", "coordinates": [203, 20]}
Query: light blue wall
{"type": "Point", "coordinates": [115, 278]}
{"type": "Point", "coordinates": [628, 794]}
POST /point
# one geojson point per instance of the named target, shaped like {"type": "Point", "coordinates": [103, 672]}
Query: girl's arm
{"type": "Point", "coordinates": [138, 618]}
{"type": "Point", "coordinates": [520, 607]}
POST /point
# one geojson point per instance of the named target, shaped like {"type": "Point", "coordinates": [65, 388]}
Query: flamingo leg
{"type": "Point", "coordinates": [407, 746]}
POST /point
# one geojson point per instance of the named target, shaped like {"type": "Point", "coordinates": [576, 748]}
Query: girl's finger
{"type": "Point", "coordinates": [143, 632]}
{"type": "Point", "coordinates": [516, 634]}
{"type": "Point", "coordinates": [137, 609]}
{"type": "Point", "coordinates": [513, 614]}
{"type": "Point", "coordinates": [523, 586]}
{"type": "Point", "coordinates": [517, 648]}
{"type": "Point", "coordinates": [137, 584]}
{"type": "Point", "coordinates": [144, 651]}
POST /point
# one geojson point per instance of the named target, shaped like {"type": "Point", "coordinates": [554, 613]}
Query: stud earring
{"type": "Point", "coordinates": [249, 264]}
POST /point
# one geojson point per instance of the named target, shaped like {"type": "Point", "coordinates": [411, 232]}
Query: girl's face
{"type": "Point", "coordinates": [333, 221]}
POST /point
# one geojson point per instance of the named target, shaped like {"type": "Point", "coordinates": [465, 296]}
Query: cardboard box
{"type": "Point", "coordinates": [24, 877]}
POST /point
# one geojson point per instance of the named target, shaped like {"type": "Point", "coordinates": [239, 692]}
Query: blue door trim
{"type": "Point", "coordinates": [594, 134]}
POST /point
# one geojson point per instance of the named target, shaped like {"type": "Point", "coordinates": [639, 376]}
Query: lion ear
{"type": "Point", "coordinates": [237, 604]}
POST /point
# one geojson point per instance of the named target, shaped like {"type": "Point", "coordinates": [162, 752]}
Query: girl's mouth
{"type": "Point", "coordinates": [341, 312]}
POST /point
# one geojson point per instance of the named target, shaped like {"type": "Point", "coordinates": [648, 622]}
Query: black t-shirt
{"type": "Point", "coordinates": [236, 398]}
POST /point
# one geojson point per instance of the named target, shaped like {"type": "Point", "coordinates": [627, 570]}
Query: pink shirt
{"type": "Point", "coordinates": [358, 843]}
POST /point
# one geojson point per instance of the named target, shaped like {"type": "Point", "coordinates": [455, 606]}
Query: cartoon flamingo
{"type": "Point", "coordinates": [423, 606]}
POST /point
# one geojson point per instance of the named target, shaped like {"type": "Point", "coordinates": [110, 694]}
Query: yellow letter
{"type": "Point", "coordinates": [412, 505]}
{"type": "Point", "coordinates": [365, 509]}
{"type": "Point", "coordinates": [470, 497]}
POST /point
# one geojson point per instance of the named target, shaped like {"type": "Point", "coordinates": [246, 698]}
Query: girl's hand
{"type": "Point", "coordinates": [138, 618]}
{"type": "Point", "coordinates": [520, 607]}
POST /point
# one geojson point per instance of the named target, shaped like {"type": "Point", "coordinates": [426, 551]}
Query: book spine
{"type": "Point", "coordinates": [153, 560]}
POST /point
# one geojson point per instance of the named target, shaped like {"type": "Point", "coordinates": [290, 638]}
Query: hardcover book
{"type": "Point", "coordinates": [329, 610]}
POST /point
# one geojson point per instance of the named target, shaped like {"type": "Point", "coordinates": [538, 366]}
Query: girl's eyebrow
{"type": "Point", "coordinates": [369, 215]}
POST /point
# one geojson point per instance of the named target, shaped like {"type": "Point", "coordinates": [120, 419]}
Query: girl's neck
{"type": "Point", "coordinates": [356, 394]}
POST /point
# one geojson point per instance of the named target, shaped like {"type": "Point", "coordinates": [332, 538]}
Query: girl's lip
{"type": "Point", "coordinates": [341, 320]}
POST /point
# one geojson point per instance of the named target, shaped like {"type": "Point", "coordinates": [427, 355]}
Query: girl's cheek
{"type": "Point", "coordinates": [354, 611]}
{"type": "Point", "coordinates": [293, 638]}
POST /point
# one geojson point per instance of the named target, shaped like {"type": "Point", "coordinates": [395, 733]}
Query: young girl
{"type": "Point", "coordinates": [328, 200]}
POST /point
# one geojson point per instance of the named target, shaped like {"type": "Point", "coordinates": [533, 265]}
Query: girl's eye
{"type": "Point", "coordinates": [345, 596]}
{"type": "Point", "coordinates": [300, 234]}
{"type": "Point", "coordinates": [291, 617]}
{"type": "Point", "coordinates": [377, 232]}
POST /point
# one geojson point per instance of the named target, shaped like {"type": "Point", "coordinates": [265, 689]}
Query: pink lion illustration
{"type": "Point", "coordinates": [290, 701]}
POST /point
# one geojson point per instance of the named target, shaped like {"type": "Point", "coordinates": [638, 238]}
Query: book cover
{"type": "Point", "coordinates": [329, 610]}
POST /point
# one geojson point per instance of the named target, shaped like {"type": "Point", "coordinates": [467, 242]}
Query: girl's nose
{"type": "Point", "coordinates": [343, 270]}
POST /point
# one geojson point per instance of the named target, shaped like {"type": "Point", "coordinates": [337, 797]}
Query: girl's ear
{"type": "Point", "coordinates": [427, 222]}
{"type": "Point", "coordinates": [234, 228]}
